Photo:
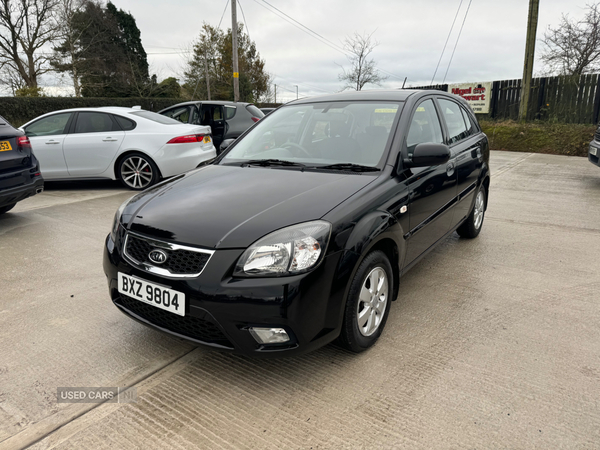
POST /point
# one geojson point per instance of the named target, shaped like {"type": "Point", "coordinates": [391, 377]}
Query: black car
{"type": "Point", "coordinates": [299, 233]}
{"type": "Point", "coordinates": [594, 149]}
{"type": "Point", "coordinates": [227, 120]}
{"type": "Point", "coordinates": [20, 175]}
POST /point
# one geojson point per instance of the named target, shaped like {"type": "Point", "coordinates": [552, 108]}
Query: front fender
{"type": "Point", "coordinates": [378, 229]}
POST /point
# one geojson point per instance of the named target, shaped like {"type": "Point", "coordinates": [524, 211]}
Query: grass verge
{"type": "Point", "coordinates": [539, 137]}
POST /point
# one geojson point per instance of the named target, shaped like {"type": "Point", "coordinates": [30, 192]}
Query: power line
{"type": "Point", "coordinates": [223, 15]}
{"type": "Point", "coordinates": [313, 33]}
{"type": "Point", "coordinates": [246, 23]}
{"type": "Point", "coordinates": [457, 39]}
{"type": "Point", "coordinates": [447, 39]}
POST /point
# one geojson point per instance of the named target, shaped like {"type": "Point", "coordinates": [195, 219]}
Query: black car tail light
{"type": "Point", "coordinates": [23, 142]}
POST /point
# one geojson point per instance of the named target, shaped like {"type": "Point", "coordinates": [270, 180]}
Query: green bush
{"type": "Point", "coordinates": [19, 110]}
{"type": "Point", "coordinates": [539, 137]}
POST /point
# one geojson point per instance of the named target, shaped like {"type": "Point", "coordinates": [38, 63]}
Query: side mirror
{"type": "Point", "coordinates": [225, 144]}
{"type": "Point", "coordinates": [428, 155]}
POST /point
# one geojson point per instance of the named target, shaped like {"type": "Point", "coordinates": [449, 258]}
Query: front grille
{"type": "Point", "coordinates": [199, 329]}
{"type": "Point", "coordinates": [597, 135]}
{"type": "Point", "coordinates": [180, 261]}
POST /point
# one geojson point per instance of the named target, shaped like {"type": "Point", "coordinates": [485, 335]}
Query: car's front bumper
{"type": "Point", "coordinates": [221, 309]}
{"type": "Point", "coordinates": [594, 153]}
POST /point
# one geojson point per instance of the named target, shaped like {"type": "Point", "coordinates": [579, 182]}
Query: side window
{"type": "Point", "coordinates": [218, 113]}
{"type": "Point", "coordinates": [425, 126]}
{"type": "Point", "coordinates": [457, 129]}
{"type": "Point", "coordinates": [194, 115]}
{"type": "Point", "coordinates": [93, 122]}
{"type": "Point", "coordinates": [181, 114]}
{"type": "Point", "coordinates": [470, 128]}
{"type": "Point", "coordinates": [125, 124]}
{"type": "Point", "coordinates": [48, 126]}
{"type": "Point", "coordinates": [229, 112]}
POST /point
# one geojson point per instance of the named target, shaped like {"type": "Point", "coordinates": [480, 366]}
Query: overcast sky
{"type": "Point", "coordinates": [411, 35]}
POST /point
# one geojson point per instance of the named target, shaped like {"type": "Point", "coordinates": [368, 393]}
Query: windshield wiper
{"type": "Point", "coordinates": [349, 167]}
{"type": "Point", "coordinates": [271, 162]}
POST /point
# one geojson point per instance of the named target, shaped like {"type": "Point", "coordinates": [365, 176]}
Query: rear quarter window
{"type": "Point", "coordinates": [255, 111]}
{"type": "Point", "coordinates": [229, 112]}
{"type": "Point", "coordinates": [124, 123]}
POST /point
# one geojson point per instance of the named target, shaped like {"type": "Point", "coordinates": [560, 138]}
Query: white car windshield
{"type": "Point", "coordinates": [320, 134]}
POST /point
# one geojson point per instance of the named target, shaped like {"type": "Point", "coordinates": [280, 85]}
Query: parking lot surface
{"type": "Point", "coordinates": [492, 343]}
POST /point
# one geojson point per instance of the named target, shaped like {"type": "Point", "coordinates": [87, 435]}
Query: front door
{"type": "Point", "coordinates": [466, 146]}
{"type": "Point", "coordinates": [432, 190]}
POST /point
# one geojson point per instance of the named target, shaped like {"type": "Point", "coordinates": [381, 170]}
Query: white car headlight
{"type": "Point", "coordinates": [288, 251]}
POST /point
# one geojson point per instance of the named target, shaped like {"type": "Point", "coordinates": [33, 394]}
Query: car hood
{"type": "Point", "coordinates": [231, 206]}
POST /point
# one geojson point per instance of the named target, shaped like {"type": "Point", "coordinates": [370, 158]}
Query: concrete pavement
{"type": "Point", "coordinates": [493, 343]}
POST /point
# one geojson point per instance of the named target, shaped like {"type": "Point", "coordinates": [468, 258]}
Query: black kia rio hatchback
{"type": "Point", "coordinates": [298, 234]}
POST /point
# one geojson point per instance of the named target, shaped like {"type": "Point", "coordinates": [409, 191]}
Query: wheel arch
{"type": "Point", "coordinates": [126, 153]}
{"type": "Point", "coordinates": [378, 230]}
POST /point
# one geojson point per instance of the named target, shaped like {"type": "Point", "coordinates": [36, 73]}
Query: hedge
{"type": "Point", "coordinates": [19, 110]}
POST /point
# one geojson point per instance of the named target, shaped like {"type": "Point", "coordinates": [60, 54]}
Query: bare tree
{"type": "Point", "coordinates": [363, 70]}
{"type": "Point", "coordinates": [573, 48]}
{"type": "Point", "coordinates": [26, 26]}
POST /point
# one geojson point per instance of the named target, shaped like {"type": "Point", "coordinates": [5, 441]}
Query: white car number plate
{"type": "Point", "coordinates": [154, 294]}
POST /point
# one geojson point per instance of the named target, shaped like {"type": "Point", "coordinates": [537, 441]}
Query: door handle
{"type": "Point", "coordinates": [108, 139]}
{"type": "Point", "coordinates": [52, 142]}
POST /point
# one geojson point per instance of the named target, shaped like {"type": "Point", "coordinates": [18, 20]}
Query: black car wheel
{"type": "Point", "coordinates": [472, 226]}
{"type": "Point", "coordinates": [6, 208]}
{"type": "Point", "coordinates": [368, 303]}
{"type": "Point", "coordinates": [137, 171]}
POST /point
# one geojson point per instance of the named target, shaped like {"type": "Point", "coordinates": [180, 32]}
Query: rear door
{"type": "Point", "coordinates": [214, 117]}
{"type": "Point", "coordinates": [466, 144]}
{"type": "Point", "coordinates": [93, 143]}
{"type": "Point", "coordinates": [47, 137]}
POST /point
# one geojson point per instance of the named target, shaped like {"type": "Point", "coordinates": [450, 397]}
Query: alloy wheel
{"type": "Point", "coordinates": [479, 209]}
{"type": "Point", "coordinates": [372, 301]}
{"type": "Point", "coordinates": [136, 172]}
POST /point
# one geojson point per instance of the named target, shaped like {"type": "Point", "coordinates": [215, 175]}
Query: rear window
{"type": "Point", "coordinates": [255, 111]}
{"type": "Point", "coordinates": [155, 117]}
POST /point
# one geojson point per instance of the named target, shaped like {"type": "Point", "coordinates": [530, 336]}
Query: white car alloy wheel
{"type": "Point", "coordinates": [137, 172]}
{"type": "Point", "coordinates": [373, 298]}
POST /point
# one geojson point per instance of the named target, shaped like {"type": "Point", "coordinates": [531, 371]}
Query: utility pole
{"type": "Point", "coordinates": [532, 21]}
{"type": "Point", "coordinates": [234, 50]}
{"type": "Point", "coordinates": [296, 91]}
{"type": "Point", "coordinates": [275, 94]}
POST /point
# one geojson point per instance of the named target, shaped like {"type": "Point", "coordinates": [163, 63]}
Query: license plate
{"type": "Point", "coordinates": [154, 294]}
{"type": "Point", "coordinates": [5, 146]}
{"type": "Point", "coordinates": [593, 151]}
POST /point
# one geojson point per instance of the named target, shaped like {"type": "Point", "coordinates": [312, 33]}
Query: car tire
{"type": "Point", "coordinates": [471, 227]}
{"type": "Point", "coordinates": [137, 171]}
{"type": "Point", "coordinates": [6, 208]}
{"type": "Point", "coordinates": [367, 306]}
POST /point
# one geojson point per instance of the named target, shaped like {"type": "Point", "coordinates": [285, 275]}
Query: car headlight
{"type": "Point", "coordinates": [117, 219]}
{"type": "Point", "coordinates": [288, 251]}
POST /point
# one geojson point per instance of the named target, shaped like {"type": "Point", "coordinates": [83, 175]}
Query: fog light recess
{"type": "Point", "coordinates": [269, 335]}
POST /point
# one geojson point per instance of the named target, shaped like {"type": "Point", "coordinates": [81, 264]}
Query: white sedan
{"type": "Point", "coordinates": [129, 144]}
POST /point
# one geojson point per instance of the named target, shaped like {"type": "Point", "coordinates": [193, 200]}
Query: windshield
{"type": "Point", "coordinates": [320, 134]}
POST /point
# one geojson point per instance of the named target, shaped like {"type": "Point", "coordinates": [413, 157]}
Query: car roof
{"type": "Point", "coordinates": [209, 102]}
{"type": "Point", "coordinates": [399, 95]}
